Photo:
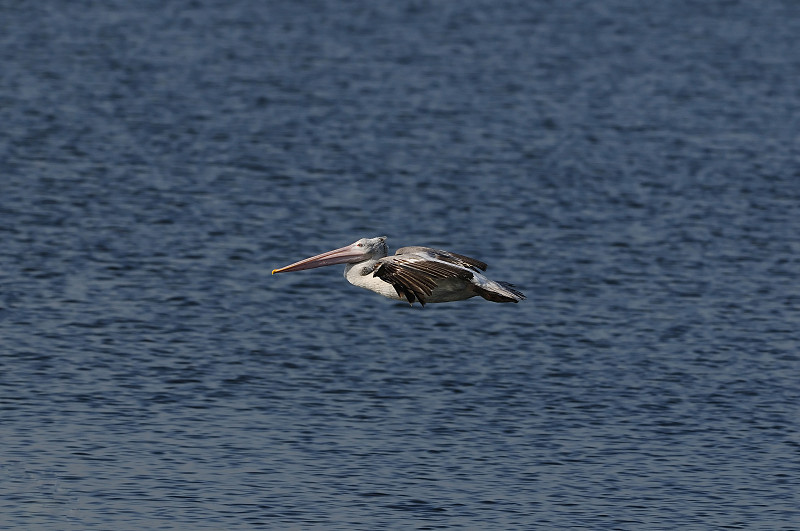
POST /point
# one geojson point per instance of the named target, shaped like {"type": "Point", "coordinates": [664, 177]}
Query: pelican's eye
{"type": "Point", "coordinates": [361, 245]}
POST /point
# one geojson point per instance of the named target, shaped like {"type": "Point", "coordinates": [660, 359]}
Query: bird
{"type": "Point", "coordinates": [412, 274]}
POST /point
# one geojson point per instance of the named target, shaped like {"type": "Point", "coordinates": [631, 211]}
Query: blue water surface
{"type": "Point", "coordinates": [632, 167]}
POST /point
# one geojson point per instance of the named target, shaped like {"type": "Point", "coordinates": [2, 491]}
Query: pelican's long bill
{"type": "Point", "coordinates": [349, 254]}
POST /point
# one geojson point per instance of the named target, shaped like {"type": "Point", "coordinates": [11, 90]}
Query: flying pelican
{"type": "Point", "coordinates": [413, 273]}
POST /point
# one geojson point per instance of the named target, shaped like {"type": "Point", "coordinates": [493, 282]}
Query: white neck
{"type": "Point", "coordinates": [360, 275]}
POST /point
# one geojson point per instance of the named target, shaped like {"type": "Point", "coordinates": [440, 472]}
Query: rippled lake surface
{"type": "Point", "coordinates": [632, 167]}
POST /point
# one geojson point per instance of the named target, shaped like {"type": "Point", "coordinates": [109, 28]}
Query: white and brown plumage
{"type": "Point", "coordinates": [412, 273]}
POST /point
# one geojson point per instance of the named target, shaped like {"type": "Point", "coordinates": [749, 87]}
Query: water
{"type": "Point", "coordinates": [634, 169]}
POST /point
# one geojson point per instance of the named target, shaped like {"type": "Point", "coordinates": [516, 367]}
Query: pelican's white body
{"type": "Point", "coordinates": [447, 290]}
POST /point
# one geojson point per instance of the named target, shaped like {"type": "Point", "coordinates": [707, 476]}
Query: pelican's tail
{"type": "Point", "coordinates": [498, 291]}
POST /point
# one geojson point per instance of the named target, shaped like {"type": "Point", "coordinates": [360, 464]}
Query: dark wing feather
{"type": "Point", "coordinates": [445, 256]}
{"type": "Point", "coordinates": [414, 277]}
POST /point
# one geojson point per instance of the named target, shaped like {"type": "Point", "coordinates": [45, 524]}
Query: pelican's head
{"type": "Point", "coordinates": [359, 251]}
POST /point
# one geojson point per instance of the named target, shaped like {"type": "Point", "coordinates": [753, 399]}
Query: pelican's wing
{"type": "Point", "coordinates": [414, 275]}
{"type": "Point", "coordinates": [444, 256]}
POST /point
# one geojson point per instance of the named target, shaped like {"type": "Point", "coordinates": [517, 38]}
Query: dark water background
{"type": "Point", "coordinates": [633, 167]}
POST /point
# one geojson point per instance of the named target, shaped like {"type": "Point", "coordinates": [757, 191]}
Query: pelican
{"type": "Point", "coordinates": [412, 273]}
